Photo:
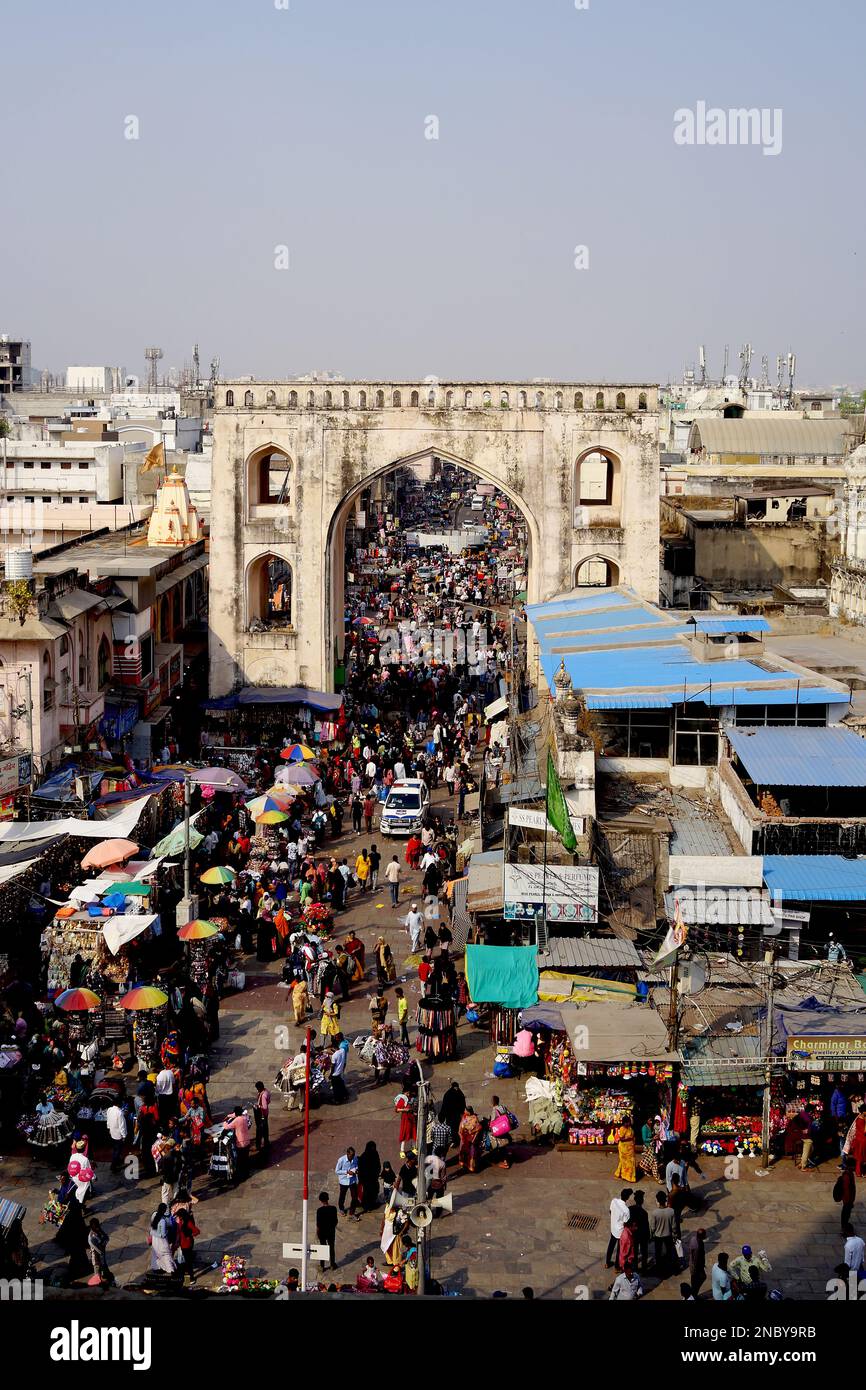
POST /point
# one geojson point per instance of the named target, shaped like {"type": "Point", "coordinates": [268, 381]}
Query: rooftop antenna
{"type": "Point", "coordinates": [725, 367]}
{"type": "Point", "coordinates": [702, 359]}
{"type": "Point", "coordinates": [765, 372]}
{"type": "Point", "coordinates": [196, 368]}
{"type": "Point", "coordinates": [792, 368]}
{"type": "Point", "coordinates": [745, 356]}
{"type": "Point", "coordinates": [214, 370]}
{"type": "Point", "coordinates": [151, 356]}
{"type": "Point", "coordinates": [779, 379]}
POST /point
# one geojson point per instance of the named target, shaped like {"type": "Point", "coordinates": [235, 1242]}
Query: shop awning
{"type": "Point", "coordinates": [616, 1032]}
{"type": "Point", "coordinates": [277, 695]}
{"type": "Point", "coordinates": [588, 953]}
{"type": "Point", "coordinates": [734, 1060]}
{"type": "Point", "coordinates": [721, 907]}
{"type": "Point", "coordinates": [504, 975]}
{"type": "Point", "coordinates": [117, 931]}
{"type": "Point", "coordinates": [496, 708]}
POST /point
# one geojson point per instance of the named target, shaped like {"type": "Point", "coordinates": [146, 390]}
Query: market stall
{"type": "Point", "coordinates": [610, 1065]}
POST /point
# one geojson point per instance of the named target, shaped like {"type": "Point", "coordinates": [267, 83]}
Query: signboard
{"type": "Point", "coordinates": [14, 773]}
{"type": "Point", "coordinates": [827, 1054]}
{"type": "Point", "coordinates": [314, 1252]}
{"type": "Point", "coordinates": [570, 892]}
{"type": "Point", "coordinates": [534, 820]}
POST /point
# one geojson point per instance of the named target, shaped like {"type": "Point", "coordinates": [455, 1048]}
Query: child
{"type": "Point", "coordinates": [402, 1014]}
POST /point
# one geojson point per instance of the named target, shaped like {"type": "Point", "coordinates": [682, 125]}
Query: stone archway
{"type": "Point", "coordinates": [335, 548]}
{"type": "Point", "coordinates": [596, 572]}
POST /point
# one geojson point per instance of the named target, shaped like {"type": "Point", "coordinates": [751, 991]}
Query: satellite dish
{"type": "Point", "coordinates": [691, 977]}
{"type": "Point", "coordinates": [421, 1215]}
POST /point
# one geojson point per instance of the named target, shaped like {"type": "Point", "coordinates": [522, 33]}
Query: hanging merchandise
{"type": "Point", "coordinates": [437, 1029]}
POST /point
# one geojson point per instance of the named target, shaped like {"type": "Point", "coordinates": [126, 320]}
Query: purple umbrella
{"type": "Point", "coordinates": [301, 775]}
{"type": "Point", "coordinates": [220, 777]}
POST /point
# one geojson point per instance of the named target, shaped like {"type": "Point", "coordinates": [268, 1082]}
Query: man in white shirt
{"type": "Point", "coordinates": [414, 923]}
{"type": "Point", "coordinates": [619, 1214]}
{"type": "Point", "coordinates": [399, 771]}
{"type": "Point", "coordinates": [116, 1121]}
{"type": "Point", "coordinates": [165, 1095]}
{"type": "Point", "coordinates": [854, 1249]}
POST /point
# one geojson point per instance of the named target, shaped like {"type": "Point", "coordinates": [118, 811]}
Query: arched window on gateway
{"type": "Point", "coordinates": [269, 594]}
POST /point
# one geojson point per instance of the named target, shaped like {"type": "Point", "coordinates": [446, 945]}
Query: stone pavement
{"type": "Point", "coordinates": [508, 1229]}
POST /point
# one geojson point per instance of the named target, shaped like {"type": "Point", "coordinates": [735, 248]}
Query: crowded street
{"type": "Point", "coordinates": [324, 845]}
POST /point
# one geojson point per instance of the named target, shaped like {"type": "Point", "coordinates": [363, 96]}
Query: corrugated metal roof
{"type": "Point", "coordinates": [782, 436]}
{"type": "Point", "coordinates": [704, 1060]}
{"type": "Point", "coordinates": [722, 907]}
{"type": "Point", "coordinates": [819, 878]}
{"type": "Point", "coordinates": [801, 756]}
{"type": "Point", "coordinates": [586, 953]}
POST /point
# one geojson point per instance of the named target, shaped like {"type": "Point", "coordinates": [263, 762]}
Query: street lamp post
{"type": "Point", "coordinates": [421, 1185]}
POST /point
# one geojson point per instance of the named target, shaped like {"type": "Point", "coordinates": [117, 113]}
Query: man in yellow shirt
{"type": "Point", "coordinates": [402, 1014]}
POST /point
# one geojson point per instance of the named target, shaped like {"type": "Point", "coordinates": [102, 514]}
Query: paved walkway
{"type": "Point", "coordinates": [508, 1229]}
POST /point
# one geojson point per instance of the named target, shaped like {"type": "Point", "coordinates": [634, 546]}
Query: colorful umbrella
{"type": "Point", "coordinates": [298, 753]}
{"type": "Point", "coordinates": [219, 875]}
{"type": "Point", "coordinates": [77, 1000]}
{"type": "Point", "coordinates": [220, 777]}
{"type": "Point", "coordinates": [198, 930]}
{"type": "Point", "coordinates": [133, 889]}
{"type": "Point", "coordinates": [109, 852]}
{"type": "Point", "coordinates": [271, 801]}
{"type": "Point", "coordinates": [302, 775]}
{"type": "Point", "coordinates": [272, 817]}
{"type": "Point", "coordinates": [363, 622]}
{"type": "Point", "coordinates": [144, 997]}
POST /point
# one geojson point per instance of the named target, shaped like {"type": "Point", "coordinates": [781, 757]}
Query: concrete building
{"type": "Point", "coordinates": [778, 446]}
{"type": "Point", "coordinates": [55, 666]}
{"type": "Point", "coordinates": [290, 459]}
{"type": "Point", "coordinates": [101, 379]}
{"type": "Point", "coordinates": [750, 541]}
{"type": "Point", "coordinates": [15, 369]}
{"type": "Point", "coordinates": [848, 582]}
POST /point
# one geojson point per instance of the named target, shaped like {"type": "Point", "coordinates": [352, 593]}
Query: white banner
{"type": "Point", "coordinates": [568, 891]}
{"type": "Point", "coordinates": [534, 820]}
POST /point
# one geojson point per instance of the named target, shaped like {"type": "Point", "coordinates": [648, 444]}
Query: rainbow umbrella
{"type": "Point", "coordinates": [271, 801]}
{"type": "Point", "coordinates": [272, 817]}
{"type": "Point", "coordinates": [144, 997]}
{"type": "Point", "coordinates": [297, 753]}
{"type": "Point", "coordinates": [77, 1000]}
{"type": "Point", "coordinates": [221, 874]}
{"type": "Point", "coordinates": [198, 930]}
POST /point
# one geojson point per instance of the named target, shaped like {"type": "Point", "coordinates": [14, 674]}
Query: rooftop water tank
{"type": "Point", "coordinates": [19, 564]}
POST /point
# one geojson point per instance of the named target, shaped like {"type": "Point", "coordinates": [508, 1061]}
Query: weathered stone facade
{"type": "Point", "coordinates": [848, 577]}
{"type": "Point", "coordinates": [339, 437]}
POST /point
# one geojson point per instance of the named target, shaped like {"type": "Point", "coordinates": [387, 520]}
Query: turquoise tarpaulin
{"type": "Point", "coordinates": [506, 975]}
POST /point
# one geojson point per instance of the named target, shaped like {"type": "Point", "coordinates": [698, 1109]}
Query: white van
{"type": "Point", "coordinates": [404, 807]}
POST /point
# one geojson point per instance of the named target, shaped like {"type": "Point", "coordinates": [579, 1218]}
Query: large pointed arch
{"type": "Point", "coordinates": [332, 626]}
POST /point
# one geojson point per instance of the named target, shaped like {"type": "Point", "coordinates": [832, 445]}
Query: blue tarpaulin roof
{"type": "Point", "coordinates": [813, 1019]}
{"type": "Point", "coordinates": [506, 975]}
{"type": "Point", "coordinates": [278, 695]}
{"type": "Point", "coordinates": [817, 878]}
{"type": "Point", "coordinates": [623, 652]}
{"type": "Point", "coordinates": [801, 757]}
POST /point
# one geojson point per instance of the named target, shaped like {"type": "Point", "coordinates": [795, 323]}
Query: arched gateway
{"type": "Point", "coordinates": [325, 454]}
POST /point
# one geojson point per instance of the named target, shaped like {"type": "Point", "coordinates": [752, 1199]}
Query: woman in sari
{"type": "Point", "coordinates": [625, 1169]}
{"type": "Point", "coordinates": [354, 947]}
{"type": "Point", "coordinates": [300, 1002]}
{"type": "Point", "coordinates": [855, 1143]}
{"type": "Point", "coordinates": [330, 1016]}
{"type": "Point", "coordinates": [160, 1243]}
{"type": "Point", "coordinates": [469, 1135]}
{"type": "Point", "coordinates": [383, 961]}
{"type": "Point", "coordinates": [413, 851]}
{"type": "Point", "coordinates": [651, 1139]}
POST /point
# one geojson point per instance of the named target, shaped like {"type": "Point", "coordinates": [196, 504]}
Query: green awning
{"type": "Point", "coordinates": [506, 975]}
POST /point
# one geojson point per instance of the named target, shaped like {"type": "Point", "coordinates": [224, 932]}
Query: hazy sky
{"type": "Point", "coordinates": [262, 127]}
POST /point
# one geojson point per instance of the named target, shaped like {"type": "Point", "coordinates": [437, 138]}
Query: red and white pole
{"type": "Point", "coordinates": [306, 1204]}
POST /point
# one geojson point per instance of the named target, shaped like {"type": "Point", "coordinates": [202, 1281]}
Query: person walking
{"type": "Point", "coordinates": [347, 1176]}
{"type": "Point", "coordinates": [662, 1231]}
{"type": "Point", "coordinates": [369, 809]}
{"type": "Point", "coordinates": [97, 1242]}
{"type": "Point", "coordinates": [845, 1191]}
{"type": "Point", "coordinates": [696, 1255]}
{"type": "Point", "coordinates": [414, 923]}
{"type": "Point", "coordinates": [369, 1169]}
{"type": "Point", "coordinates": [640, 1222]}
{"type": "Point", "coordinates": [362, 870]}
{"type": "Point", "coordinates": [165, 1096]}
{"type": "Point", "coordinates": [187, 1231]}
{"type": "Point", "coordinates": [392, 876]}
{"type": "Point", "coordinates": [721, 1280]}
{"type": "Point", "coordinates": [619, 1215]}
{"type": "Point", "coordinates": [261, 1113]}
{"type": "Point", "coordinates": [357, 809]}
{"type": "Point", "coordinates": [117, 1130]}
{"type": "Point", "coordinates": [326, 1227]}
{"type": "Point", "coordinates": [238, 1121]}
{"type": "Point", "coordinates": [338, 1058]}
{"type": "Point", "coordinates": [375, 863]}
{"type": "Point", "coordinates": [402, 1014]}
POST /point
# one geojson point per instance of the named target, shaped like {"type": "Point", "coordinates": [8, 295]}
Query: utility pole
{"type": "Point", "coordinates": [186, 856]}
{"type": "Point", "coordinates": [421, 1184]}
{"type": "Point", "coordinates": [305, 1208]}
{"type": "Point", "coordinates": [770, 962]}
{"type": "Point", "coordinates": [673, 1012]}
